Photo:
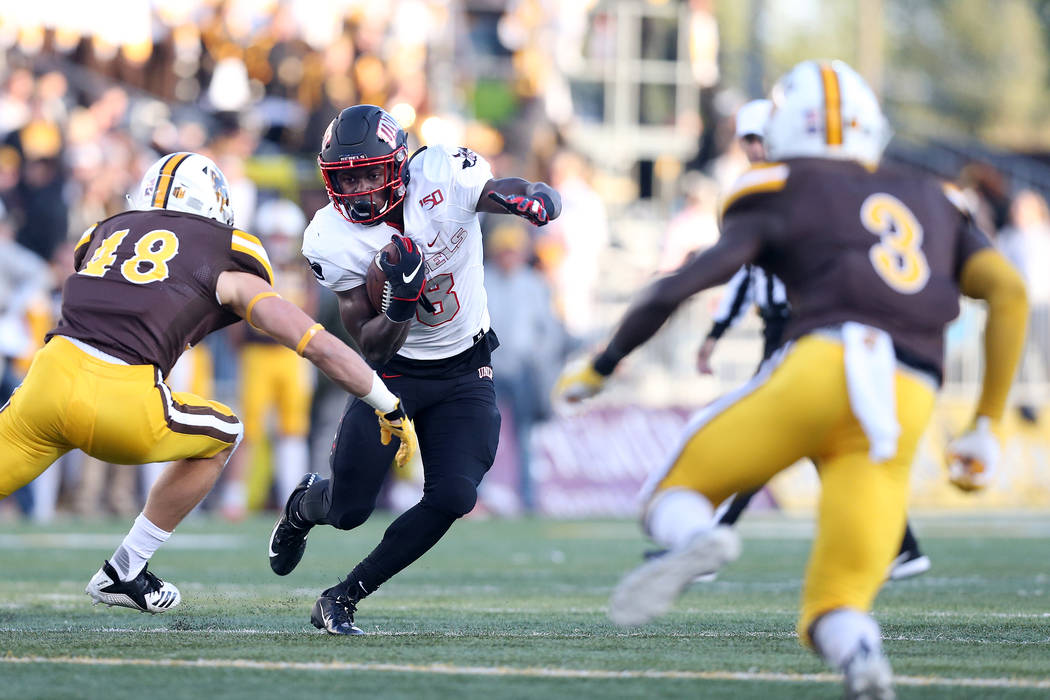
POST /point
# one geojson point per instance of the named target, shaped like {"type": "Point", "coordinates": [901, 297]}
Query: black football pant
{"type": "Point", "coordinates": [457, 423]}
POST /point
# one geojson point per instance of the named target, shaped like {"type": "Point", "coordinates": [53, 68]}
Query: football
{"type": "Point", "coordinates": [375, 280]}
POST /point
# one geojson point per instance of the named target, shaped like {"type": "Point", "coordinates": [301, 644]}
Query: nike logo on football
{"type": "Point", "coordinates": [409, 277]}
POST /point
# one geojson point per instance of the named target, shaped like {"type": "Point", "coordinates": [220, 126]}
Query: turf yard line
{"type": "Point", "coordinates": [446, 669]}
{"type": "Point", "coordinates": [475, 634]}
{"type": "Point", "coordinates": [86, 540]}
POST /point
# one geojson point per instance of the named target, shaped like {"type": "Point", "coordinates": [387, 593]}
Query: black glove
{"type": "Point", "coordinates": [536, 208]}
{"type": "Point", "coordinates": [406, 278]}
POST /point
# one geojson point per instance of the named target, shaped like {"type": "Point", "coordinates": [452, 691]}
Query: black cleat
{"type": "Point", "coordinates": [288, 540]}
{"type": "Point", "coordinates": [335, 615]}
{"type": "Point", "coordinates": [145, 592]}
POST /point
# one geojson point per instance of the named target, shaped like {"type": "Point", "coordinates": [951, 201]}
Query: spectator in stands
{"type": "Point", "coordinates": [529, 340]}
{"type": "Point", "coordinates": [273, 379]}
{"type": "Point", "coordinates": [39, 192]}
{"type": "Point", "coordinates": [577, 237]}
{"type": "Point", "coordinates": [695, 226]}
{"type": "Point", "coordinates": [1026, 243]}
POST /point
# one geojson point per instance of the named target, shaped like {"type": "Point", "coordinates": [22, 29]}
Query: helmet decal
{"type": "Point", "coordinates": [387, 129]}
{"type": "Point", "coordinates": [162, 188]}
{"type": "Point", "coordinates": [832, 105]}
{"type": "Point", "coordinates": [326, 140]}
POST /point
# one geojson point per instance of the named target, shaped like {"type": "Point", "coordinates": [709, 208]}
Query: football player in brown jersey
{"type": "Point", "coordinates": [874, 260]}
{"type": "Point", "coordinates": [149, 283]}
{"type": "Point", "coordinates": [752, 285]}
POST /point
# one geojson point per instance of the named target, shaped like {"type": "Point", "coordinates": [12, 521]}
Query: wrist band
{"type": "Point", "coordinates": [255, 300]}
{"type": "Point", "coordinates": [307, 337]}
{"type": "Point", "coordinates": [379, 396]}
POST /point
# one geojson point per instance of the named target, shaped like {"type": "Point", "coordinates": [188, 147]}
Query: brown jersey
{"type": "Point", "coordinates": [144, 287]}
{"type": "Point", "coordinates": [883, 248]}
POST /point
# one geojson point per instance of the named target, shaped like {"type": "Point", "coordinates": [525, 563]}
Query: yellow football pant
{"type": "Point", "coordinates": [123, 414]}
{"type": "Point", "coordinates": [272, 376]}
{"type": "Point", "coordinates": [799, 408]}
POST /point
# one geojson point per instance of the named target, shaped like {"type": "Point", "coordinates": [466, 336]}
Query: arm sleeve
{"type": "Point", "coordinates": [734, 303]}
{"type": "Point", "coordinates": [987, 275]}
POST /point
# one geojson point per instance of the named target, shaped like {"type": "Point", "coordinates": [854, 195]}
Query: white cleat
{"type": "Point", "coordinates": [869, 677]}
{"type": "Point", "coordinates": [145, 592]}
{"type": "Point", "coordinates": [907, 565]}
{"type": "Point", "coordinates": [650, 590]}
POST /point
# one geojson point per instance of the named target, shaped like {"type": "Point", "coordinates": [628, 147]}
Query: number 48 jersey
{"type": "Point", "coordinates": [144, 287]}
{"type": "Point", "coordinates": [440, 216]}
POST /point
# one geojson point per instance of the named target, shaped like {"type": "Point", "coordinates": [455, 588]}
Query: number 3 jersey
{"type": "Point", "coordinates": [884, 248]}
{"type": "Point", "coordinates": [144, 289]}
{"type": "Point", "coordinates": [440, 216]}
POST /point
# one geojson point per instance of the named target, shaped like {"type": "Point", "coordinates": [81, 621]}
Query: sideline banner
{"type": "Point", "coordinates": [593, 464]}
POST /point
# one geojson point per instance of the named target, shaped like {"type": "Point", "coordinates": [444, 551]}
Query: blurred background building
{"type": "Point", "coordinates": [626, 106]}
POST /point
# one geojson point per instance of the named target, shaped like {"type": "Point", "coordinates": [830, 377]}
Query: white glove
{"type": "Point", "coordinates": [973, 457]}
{"type": "Point", "coordinates": [578, 381]}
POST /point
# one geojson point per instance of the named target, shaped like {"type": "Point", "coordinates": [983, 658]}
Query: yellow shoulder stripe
{"type": "Point", "coordinates": [768, 177]}
{"type": "Point", "coordinates": [85, 238]}
{"type": "Point", "coordinates": [250, 245]}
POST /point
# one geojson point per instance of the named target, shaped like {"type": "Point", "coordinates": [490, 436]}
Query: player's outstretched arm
{"type": "Point", "coordinates": [974, 456]}
{"type": "Point", "coordinates": [536, 202]}
{"type": "Point", "coordinates": [654, 305]}
{"type": "Point", "coordinates": [987, 275]}
{"type": "Point", "coordinates": [255, 301]}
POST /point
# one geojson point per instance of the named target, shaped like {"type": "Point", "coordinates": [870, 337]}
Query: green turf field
{"type": "Point", "coordinates": [509, 609]}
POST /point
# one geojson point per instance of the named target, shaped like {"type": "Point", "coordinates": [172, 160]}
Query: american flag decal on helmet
{"type": "Point", "coordinates": [387, 129]}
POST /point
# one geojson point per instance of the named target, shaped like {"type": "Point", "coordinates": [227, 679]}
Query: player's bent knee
{"type": "Point", "coordinates": [455, 495]}
{"type": "Point", "coordinates": [349, 518]}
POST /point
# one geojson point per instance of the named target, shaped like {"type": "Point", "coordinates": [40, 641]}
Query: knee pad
{"type": "Point", "coordinates": [454, 495]}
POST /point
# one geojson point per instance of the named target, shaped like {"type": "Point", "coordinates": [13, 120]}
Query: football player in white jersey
{"type": "Point", "coordinates": [432, 343]}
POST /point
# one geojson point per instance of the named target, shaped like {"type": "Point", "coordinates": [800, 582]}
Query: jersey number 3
{"type": "Point", "coordinates": [897, 257]}
{"type": "Point", "coordinates": [148, 264]}
{"type": "Point", "coordinates": [446, 302]}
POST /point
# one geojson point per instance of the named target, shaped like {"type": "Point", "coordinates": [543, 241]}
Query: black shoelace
{"type": "Point", "coordinates": [153, 583]}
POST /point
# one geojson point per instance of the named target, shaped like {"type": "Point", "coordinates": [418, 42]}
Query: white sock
{"type": "Point", "coordinates": [675, 515]}
{"type": "Point", "coordinates": [138, 546]}
{"type": "Point", "coordinates": [291, 458]}
{"type": "Point", "coordinates": [838, 635]}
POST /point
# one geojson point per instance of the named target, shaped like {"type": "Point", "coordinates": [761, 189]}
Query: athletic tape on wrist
{"type": "Point", "coordinates": [379, 396]}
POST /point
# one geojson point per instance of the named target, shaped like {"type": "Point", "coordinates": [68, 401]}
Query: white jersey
{"type": "Point", "coordinates": [441, 217]}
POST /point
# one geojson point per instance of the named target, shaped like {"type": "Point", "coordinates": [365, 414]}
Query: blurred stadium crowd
{"type": "Point", "coordinates": [85, 109]}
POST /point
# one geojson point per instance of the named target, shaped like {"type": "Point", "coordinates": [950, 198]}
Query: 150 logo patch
{"type": "Point", "coordinates": [432, 200]}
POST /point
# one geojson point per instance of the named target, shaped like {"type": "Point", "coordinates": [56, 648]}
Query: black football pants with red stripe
{"type": "Point", "coordinates": [457, 423]}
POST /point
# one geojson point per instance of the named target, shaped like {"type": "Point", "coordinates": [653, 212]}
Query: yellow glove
{"type": "Point", "coordinates": [578, 381]}
{"type": "Point", "coordinates": [974, 457]}
{"type": "Point", "coordinates": [396, 424]}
